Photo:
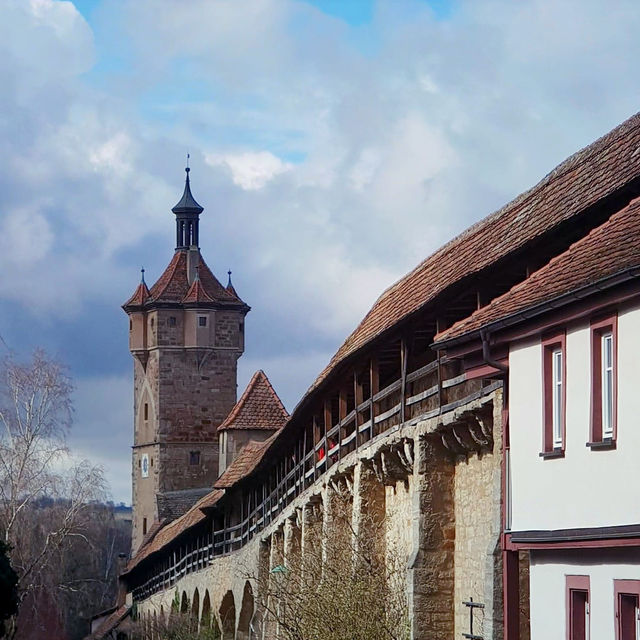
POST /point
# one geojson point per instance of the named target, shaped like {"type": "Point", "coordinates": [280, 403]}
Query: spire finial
{"type": "Point", "coordinates": [229, 283]}
{"type": "Point", "coordinates": [187, 169]}
{"type": "Point", "coordinates": [142, 278]}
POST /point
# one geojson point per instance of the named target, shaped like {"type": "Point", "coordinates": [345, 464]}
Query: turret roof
{"type": "Point", "coordinates": [140, 295]}
{"type": "Point", "coordinates": [197, 291]}
{"type": "Point", "coordinates": [187, 204]}
{"type": "Point", "coordinates": [258, 408]}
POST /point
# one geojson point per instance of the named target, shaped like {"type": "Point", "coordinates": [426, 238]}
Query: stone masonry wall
{"type": "Point", "coordinates": [477, 557]}
{"type": "Point", "coordinates": [444, 511]}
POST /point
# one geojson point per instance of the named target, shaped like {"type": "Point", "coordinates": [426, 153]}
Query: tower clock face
{"type": "Point", "coordinates": [145, 465]}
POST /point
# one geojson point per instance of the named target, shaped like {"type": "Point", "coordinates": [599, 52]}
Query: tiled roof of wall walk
{"type": "Point", "coordinates": [152, 532]}
{"type": "Point", "coordinates": [586, 177]}
{"type": "Point", "coordinates": [605, 253]}
{"type": "Point", "coordinates": [248, 459]}
{"type": "Point", "coordinates": [172, 504]}
{"type": "Point", "coordinates": [173, 529]}
{"type": "Point", "coordinates": [259, 407]}
{"type": "Point", "coordinates": [173, 284]}
{"type": "Point", "coordinates": [110, 623]}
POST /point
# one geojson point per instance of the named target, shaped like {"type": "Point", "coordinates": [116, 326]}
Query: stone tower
{"type": "Point", "coordinates": [186, 334]}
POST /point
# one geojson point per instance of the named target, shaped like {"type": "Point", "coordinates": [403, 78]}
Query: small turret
{"type": "Point", "coordinates": [187, 212]}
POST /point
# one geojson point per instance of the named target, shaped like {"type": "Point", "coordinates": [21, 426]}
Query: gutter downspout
{"type": "Point", "coordinates": [486, 354]}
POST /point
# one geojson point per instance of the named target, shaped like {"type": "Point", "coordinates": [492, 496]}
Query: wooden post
{"type": "Point", "coordinates": [327, 427]}
{"type": "Point", "coordinates": [342, 414]}
{"type": "Point", "coordinates": [358, 399]}
{"type": "Point", "coordinates": [375, 387]}
{"type": "Point", "coordinates": [404, 357]}
{"type": "Point", "coordinates": [316, 440]}
{"type": "Point", "coordinates": [439, 327]}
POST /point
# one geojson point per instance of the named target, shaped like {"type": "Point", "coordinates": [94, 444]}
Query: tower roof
{"type": "Point", "coordinates": [230, 288]}
{"type": "Point", "coordinates": [173, 285]}
{"type": "Point", "coordinates": [258, 408]}
{"type": "Point", "coordinates": [187, 204]}
{"type": "Point", "coordinates": [140, 295]}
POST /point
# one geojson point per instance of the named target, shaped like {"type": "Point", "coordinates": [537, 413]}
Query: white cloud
{"type": "Point", "coordinates": [250, 170]}
{"type": "Point", "coordinates": [395, 149]}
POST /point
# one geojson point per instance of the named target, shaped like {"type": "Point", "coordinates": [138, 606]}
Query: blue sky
{"type": "Point", "coordinates": [334, 144]}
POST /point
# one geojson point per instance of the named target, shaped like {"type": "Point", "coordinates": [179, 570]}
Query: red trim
{"type": "Point", "coordinates": [576, 621]}
{"type": "Point", "coordinates": [485, 370]}
{"type": "Point", "coordinates": [620, 588]}
{"type": "Point", "coordinates": [600, 327]}
{"type": "Point", "coordinates": [550, 344]}
{"type": "Point", "coordinates": [511, 597]}
{"type": "Point", "coordinates": [571, 544]}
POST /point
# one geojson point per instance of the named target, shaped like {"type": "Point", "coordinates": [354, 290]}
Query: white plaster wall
{"type": "Point", "coordinates": [548, 584]}
{"type": "Point", "coordinates": [585, 488]}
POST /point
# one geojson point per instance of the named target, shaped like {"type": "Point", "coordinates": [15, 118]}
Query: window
{"type": "Point", "coordinates": [554, 395]}
{"type": "Point", "coordinates": [172, 321]}
{"type": "Point", "coordinates": [627, 600]}
{"type": "Point", "coordinates": [130, 325]}
{"type": "Point", "coordinates": [194, 457]}
{"type": "Point", "coordinates": [144, 526]}
{"type": "Point", "coordinates": [577, 607]}
{"type": "Point", "coordinates": [603, 382]}
{"type": "Point", "coordinates": [202, 321]}
{"type": "Point", "coordinates": [146, 410]}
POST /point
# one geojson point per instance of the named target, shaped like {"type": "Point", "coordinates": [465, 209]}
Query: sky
{"type": "Point", "coordinates": [334, 144]}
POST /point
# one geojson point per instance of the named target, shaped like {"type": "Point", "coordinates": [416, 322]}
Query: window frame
{"type": "Point", "coordinates": [599, 329]}
{"type": "Point", "coordinates": [550, 346]}
{"type": "Point", "coordinates": [577, 583]}
{"type": "Point", "coordinates": [623, 587]}
{"type": "Point", "coordinates": [203, 321]}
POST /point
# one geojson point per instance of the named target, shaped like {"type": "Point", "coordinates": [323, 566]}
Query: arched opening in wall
{"type": "Point", "coordinates": [246, 613]}
{"type": "Point", "coordinates": [205, 621]}
{"type": "Point", "coordinates": [228, 616]}
{"type": "Point", "coordinates": [184, 603]}
{"type": "Point", "coordinates": [195, 611]}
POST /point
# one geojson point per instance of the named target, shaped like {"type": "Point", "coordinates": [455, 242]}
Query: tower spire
{"type": "Point", "coordinates": [187, 212]}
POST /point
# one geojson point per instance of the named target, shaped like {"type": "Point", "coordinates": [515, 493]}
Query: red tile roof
{"type": "Point", "coordinates": [173, 284]}
{"type": "Point", "coordinates": [173, 529]}
{"type": "Point", "coordinates": [608, 250]}
{"type": "Point", "coordinates": [586, 177]}
{"type": "Point", "coordinates": [245, 463]}
{"type": "Point", "coordinates": [258, 408]}
{"type": "Point", "coordinates": [197, 293]}
{"type": "Point", "coordinates": [110, 623]}
{"type": "Point", "coordinates": [139, 297]}
{"type": "Point", "coordinates": [173, 287]}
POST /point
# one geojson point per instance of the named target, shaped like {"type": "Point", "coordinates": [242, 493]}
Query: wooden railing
{"type": "Point", "coordinates": [433, 389]}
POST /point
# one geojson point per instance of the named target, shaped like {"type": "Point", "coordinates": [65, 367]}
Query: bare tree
{"type": "Point", "coordinates": [350, 585]}
{"type": "Point", "coordinates": [45, 495]}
